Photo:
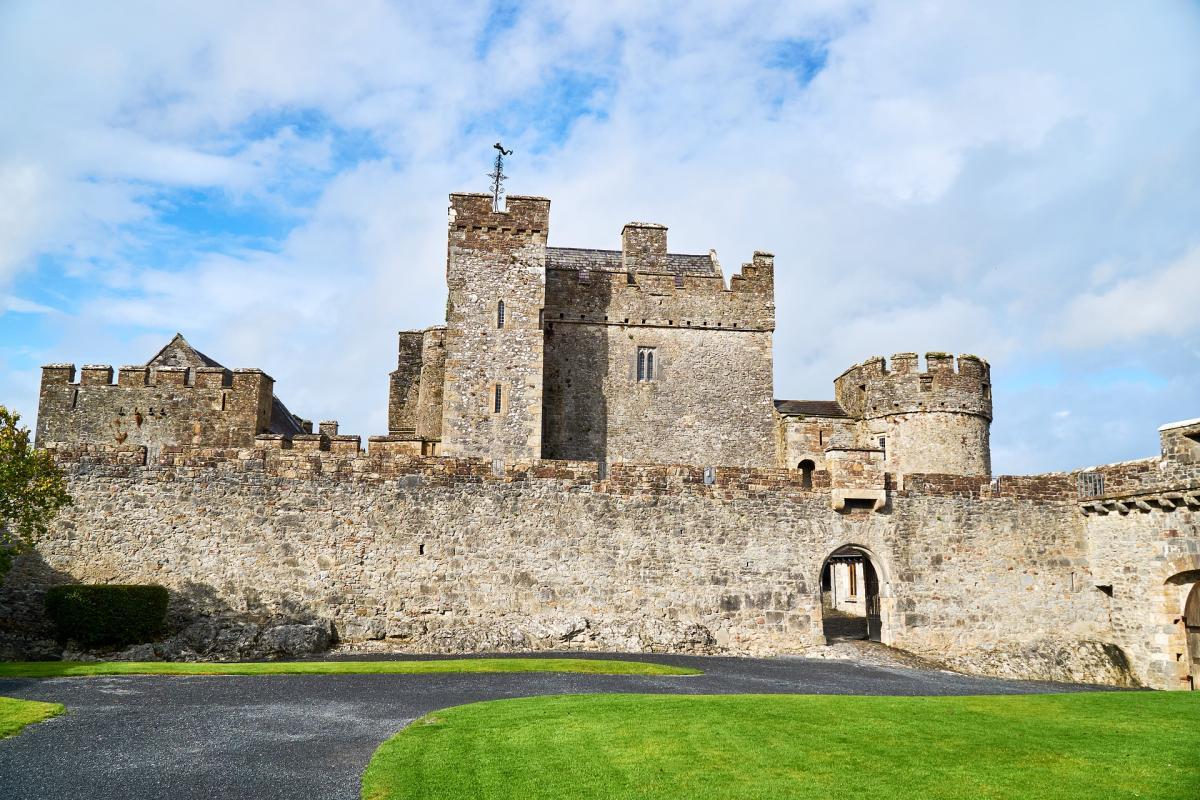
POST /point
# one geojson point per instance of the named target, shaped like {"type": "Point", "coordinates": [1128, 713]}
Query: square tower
{"type": "Point", "coordinates": [496, 275]}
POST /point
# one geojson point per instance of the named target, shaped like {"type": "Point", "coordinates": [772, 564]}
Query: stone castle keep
{"type": "Point", "coordinates": [589, 454]}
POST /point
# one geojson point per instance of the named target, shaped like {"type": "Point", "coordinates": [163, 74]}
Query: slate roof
{"type": "Point", "coordinates": [179, 353]}
{"type": "Point", "coordinates": [282, 420]}
{"type": "Point", "coordinates": [810, 408]}
{"type": "Point", "coordinates": [610, 261]}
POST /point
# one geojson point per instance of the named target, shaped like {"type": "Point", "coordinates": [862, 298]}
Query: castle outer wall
{"type": "Point", "coordinates": [447, 555]}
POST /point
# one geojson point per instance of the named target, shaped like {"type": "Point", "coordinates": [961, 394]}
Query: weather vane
{"type": "Point", "coordinates": [497, 175]}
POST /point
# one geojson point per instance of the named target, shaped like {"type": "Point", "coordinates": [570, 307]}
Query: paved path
{"type": "Point", "coordinates": [310, 736]}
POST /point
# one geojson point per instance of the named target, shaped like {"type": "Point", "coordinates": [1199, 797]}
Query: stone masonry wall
{"type": "Point", "coordinates": [494, 257]}
{"type": "Point", "coordinates": [808, 438]}
{"type": "Point", "coordinates": [416, 386]}
{"type": "Point", "coordinates": [1143, 526]}
{"type": "Point", "coordinates": [153, 407]}
{"type": "Point", "coordinates": [939, 419]}
{"type": "Point", "coordinates": [444, 555]}
{"type": "Point", "coordinates": [710, 400]}
{"type": "Point", "coordinates": [404, 385]}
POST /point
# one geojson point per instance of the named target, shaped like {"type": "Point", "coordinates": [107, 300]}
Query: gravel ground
{"type": "Point", "coordinates": [310, 736]}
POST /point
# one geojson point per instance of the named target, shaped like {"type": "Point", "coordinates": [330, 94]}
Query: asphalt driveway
{"type": "Point", "coordinates": [310, 736]}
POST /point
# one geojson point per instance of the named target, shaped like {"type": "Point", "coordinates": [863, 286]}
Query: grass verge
{"type": "Point", "coordinates": [591, 666]}
{"type": "Point", "coordinates": [16, 714]}
{"type": "Point", "coordinates": [1048, 747]}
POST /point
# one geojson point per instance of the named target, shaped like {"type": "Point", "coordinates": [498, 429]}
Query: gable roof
{"type": "Point", "coordinates": [810, 408]}
{"type": "Point", "coordinates": [179, 353]}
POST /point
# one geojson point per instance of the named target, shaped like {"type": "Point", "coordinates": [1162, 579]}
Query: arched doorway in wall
{"type": "Point", "coordinates": [807, 467]}
{"type": "Point", "coordinates": [1191, 622]}
{"type": "Point", "coordinates": [851, 596]}
{"type": "Point", "coordinates": [1180, 612]}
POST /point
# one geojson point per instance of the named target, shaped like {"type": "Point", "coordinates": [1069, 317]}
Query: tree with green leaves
{"type": "Point", "coordinates": [32, 490]}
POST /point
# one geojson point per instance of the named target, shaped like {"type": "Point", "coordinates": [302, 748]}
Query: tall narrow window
{"type": "Point", "coordinates": [500, 314]}
{"type": "Point", "coordinates": [645, 364]}
{"type": "Point", "coordinates": [883, 446]}
{"type": "Point", "coordinates": [853, 578]}
{"type": "Point", "coordinates": [496, 401]}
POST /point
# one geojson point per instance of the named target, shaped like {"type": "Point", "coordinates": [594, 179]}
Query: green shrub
{"type": "Point", "coordinates": [107, 615]}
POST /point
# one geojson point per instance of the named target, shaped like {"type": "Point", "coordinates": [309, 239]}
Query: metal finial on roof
{"type": "Point", "coordinates": [497, 175]}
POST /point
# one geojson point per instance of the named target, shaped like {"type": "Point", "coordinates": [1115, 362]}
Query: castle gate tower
{"type": "Point", "coordinates": [936, 421]}
{"type": "Point", "coordinates": [496, 274]}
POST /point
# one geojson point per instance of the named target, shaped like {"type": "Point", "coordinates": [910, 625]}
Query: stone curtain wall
{"type": "Point", "coordinates": [1144, 536]}
{"type": "Point", "coordinates": [445, 556]}
{"type": "Point", "coordinates": [1138, 554]}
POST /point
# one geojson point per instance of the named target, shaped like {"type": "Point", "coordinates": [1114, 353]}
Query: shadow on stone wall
{"type": "Point", "coordinates": [200, 624]}
{"type": "Point", "coordinates": [26, 634]}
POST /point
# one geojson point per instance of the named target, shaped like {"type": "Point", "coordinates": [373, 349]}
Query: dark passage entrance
{"type": "Point", "coordinates": [850, 596]}
{"type": "Point", "coordinates": [1191, 619]}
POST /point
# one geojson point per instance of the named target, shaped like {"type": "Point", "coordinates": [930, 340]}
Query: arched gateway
{"type": "Point", "coordinates": [1180, 610]}
{"type": "Point", "coordinates": [1191, 622]}
{"type": "Point", "coordinates": [855, 596]}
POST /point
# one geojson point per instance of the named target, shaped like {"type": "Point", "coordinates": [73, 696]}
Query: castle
{"type": "Point", "coordinates": [588, 453]}
{"type": "Point", "coordinates": [559, 353]}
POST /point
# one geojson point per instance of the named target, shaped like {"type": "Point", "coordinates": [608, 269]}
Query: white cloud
{"type": "Point", "coordinates": [949, 181]}
{"type": "Point", "coordinates": [1163, 302]}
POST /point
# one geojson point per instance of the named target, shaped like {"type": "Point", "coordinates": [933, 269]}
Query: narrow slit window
{"type": "Point", "coordinates": [497, 399]}
{"type": "Point", "coordinates": [500, 314]}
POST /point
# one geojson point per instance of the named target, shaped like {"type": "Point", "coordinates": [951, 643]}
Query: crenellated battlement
{"type": "Point", "coordinates": [474, 223]}
{"type": "Point", "coordinates": [873, 389]}
{"type": "Point", "coordinates": [664, 299]}
{"type": "Point", "coordinates": [140, 375]}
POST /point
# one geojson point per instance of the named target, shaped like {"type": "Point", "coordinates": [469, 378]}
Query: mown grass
{"type": "Point", "coordinates": [16, 714]}
{"type": "Point", "coordinates": [58, 669]}
{"type": "Point", "coordinates": [637, 747]}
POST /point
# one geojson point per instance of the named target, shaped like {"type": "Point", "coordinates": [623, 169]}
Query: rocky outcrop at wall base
{"type": "Point", "coordinates": [229, 640]}
{"type": "Point", "coordinates": [521, 633]}
{"type": "Point", "coordinates": [1049, 660]}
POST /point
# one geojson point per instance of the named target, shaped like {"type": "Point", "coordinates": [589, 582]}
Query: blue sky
{"type": "Point", "coordinates": [1016, 181]}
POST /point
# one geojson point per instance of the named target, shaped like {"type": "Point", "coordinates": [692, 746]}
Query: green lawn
{"type": "Point", "coordinates": [16, 714]}
{"type": "Point", "coordinates": [57, 669]}
{"type": "Point", "coordinates": [1051, 747]}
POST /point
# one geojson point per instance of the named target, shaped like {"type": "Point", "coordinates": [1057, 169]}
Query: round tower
{"type": "Point", "coordinates": [936, 421]}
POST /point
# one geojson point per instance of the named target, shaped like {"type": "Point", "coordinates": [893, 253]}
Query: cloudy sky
{"type": "Point", "coordinates": [1017, 180]}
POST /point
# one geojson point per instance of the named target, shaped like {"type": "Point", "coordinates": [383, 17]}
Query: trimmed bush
{"type": "Point", "coordinates": [107, 615]}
